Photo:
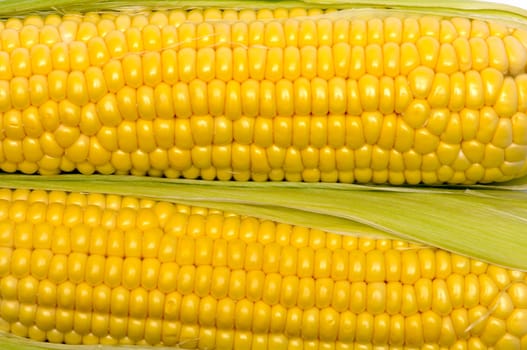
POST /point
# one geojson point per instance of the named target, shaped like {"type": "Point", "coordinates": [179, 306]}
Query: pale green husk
{"type": "Point", "coordinates": [484, 222]}
{"type": "Point", "coordinates": [467, 8]}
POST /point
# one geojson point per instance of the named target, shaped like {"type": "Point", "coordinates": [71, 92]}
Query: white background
{"type": "Point", "coordinates": [517, 3]}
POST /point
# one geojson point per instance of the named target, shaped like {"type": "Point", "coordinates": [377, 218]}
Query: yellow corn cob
{"type": "Point", "coordinates": [89, 268]}
{"type": "Point", "coordinates": [265, 95]}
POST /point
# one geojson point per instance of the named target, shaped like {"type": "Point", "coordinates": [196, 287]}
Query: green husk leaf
{"type": "Point", "coordinates": [470, 8]}
{"type": "Point", "coordinates": [455, 219]}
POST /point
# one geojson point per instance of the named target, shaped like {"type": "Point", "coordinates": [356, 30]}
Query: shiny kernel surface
{"type": "Point", "coordinates": [264, 95]}
{"type": "Point", "coordinates": [166, 274]}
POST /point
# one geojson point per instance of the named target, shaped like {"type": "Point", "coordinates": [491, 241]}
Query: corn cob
{"type": "Point", "coordinates": [282, 94]}
{"type": "Point", "coordinates": [92, 268]}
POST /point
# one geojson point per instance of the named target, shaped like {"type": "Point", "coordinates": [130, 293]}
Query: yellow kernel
{"type": "Point", "coordinates": [403, 94]}
{"type": "Point", "coordinates": [498, 58]}
{"type": "Point", "coordinates": [506, 103]}
{"type": "Point", "coordinates": [417, 113]}
{"type": "Point", "coordinates": [516, 54]}
{"type": "Point", "coordinates": [114, 75]}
